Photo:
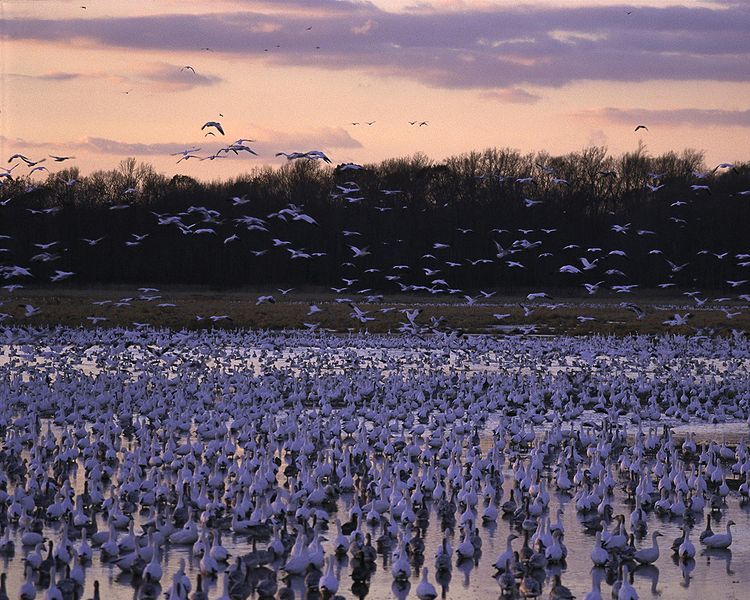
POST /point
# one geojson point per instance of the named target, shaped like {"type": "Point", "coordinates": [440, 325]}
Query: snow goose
{"type": "Point", "coordinates": [646, 556]}
{"type": "Point", "coordinates": [720, 540]}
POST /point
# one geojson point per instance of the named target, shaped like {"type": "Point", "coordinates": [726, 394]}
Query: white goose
{"type": "Point", "coordinates": [720, 540]}
{"type": "Point", "coordinates": [646, 556]}
{"type": "Point", "coordinates": [425, 590]}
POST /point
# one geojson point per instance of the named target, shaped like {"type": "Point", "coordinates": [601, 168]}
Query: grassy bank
{"type": "Point", "coordinates": [193, 309]}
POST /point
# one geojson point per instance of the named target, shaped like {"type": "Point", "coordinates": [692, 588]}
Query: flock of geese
{"type": "Point", "coordinates": [227, 465]}
{"type": "Point", "coordinates": [233, 464]}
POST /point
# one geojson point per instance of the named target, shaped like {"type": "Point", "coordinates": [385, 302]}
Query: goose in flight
{"type": "Point", "coordinates": [311, 154]}
{"type": "Point", "coordinates": [21, 156]}
{"type": "Point", "coordinates": [641, 127]}
{"type": "Point", "coordinates": [538, 295]}
{"type": "Point", "coordinates": [305, 218]}
{"type": "Point", "coordinates": [620, 228]}
{"type": "Point", "coordinates": [359, 314]}
{"type": "Point", "coordinates": [237, 148]}
{"type": "Point", "coordinates": [189, 68]}
{"type": "Point", "coordinates": [569, 269]}
{"type": "Point", "coordinates": [349, 167]}
{"type": "Point", "coordinates": [29, 310]}
{"type": "Point", "coordinates": [634, 308]}
{"type": "Point", "coordinates": [60, 158]}
{"type": "Point", "coordinates": [28, 161]}
{"type": "Point", "coordinates": [92, 242]}
{"type": "Point", "coordinates": [678, 320]}
{"type": "Point", "coordinates": [587, 266]}
{"type": "Point", "coordinates": [675, 267]}
{"type": "Point", "coordinates": [214, 124]}
{"type": "Point", "coordinates": [625, 289]}
{"type": "Point", "coordinates": [726, 166]}
{"type": "Point", "coordinates": [592, 288]}
{"type": "Point", "coordinates": [60, 275]}
{"type": "Point", "coordinates": [186, 151]}
{"type": "Point", "coordinates": [359, 252]}
{"type": "Point", "coordinates": [46, 245]}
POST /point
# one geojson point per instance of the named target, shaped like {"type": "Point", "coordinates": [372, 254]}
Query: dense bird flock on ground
{"type": "Point", "coordinates": [223, 465]}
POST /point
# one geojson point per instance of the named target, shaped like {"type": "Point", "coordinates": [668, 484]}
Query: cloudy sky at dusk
{"type": "Point", "coordinates": [105, 82]}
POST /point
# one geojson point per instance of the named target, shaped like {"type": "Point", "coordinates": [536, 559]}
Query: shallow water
{"type": "Point", "coordinates": [726, 573]}
{"type": "Point", "coordinates": [717, 574]}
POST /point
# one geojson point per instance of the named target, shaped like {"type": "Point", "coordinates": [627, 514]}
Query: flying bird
{"type": "Point", "coordinates": [312, 154]}
{"type": "Point", "coordinates": [634, 308]}
{"type": "Point", "coordinates": [188, 67]}
{"type": "Point", "coordinates": [359, 252]}
{"type": "Point", "coordinates": [641, 127]}
{"type": "Point", "coordinates": [29, 310]}
{"type": "Point", "coordinates": [678, 320]}
{"type": "Point", "coordinates": [60, 275]}
{"type": "Point", "coordinates": [215, 124]}
{"type": "Point", "coordinates": [538, 295]}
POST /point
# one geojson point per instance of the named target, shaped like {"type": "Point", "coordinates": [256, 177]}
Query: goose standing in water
{"type": "Point", "coordinates": [720, 540]}
{"type": "Point", "coordinates": [707, 532]}
{"type": "Point", "coordinates": [329, 583]}
{"type": "Point", "coordinates": [27, 590]}
{"type": "Point", "coordinates": [686, 549]}
{"type": "Point", "coordinates": [646, 556]}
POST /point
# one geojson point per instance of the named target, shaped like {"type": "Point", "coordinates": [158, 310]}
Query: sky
{"type": "Point", "coordinates": [107, 81]}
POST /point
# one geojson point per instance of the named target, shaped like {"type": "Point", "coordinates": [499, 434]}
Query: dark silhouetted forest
{"type": "Point", "coordinates": [639, 219]}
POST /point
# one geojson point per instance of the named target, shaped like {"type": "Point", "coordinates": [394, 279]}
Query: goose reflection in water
{"type": "Point", "coordinates": [724, 554]}
{"type": "Point", "coordinates": [650, 572]}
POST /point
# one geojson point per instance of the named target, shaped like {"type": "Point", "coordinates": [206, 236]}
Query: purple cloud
{"type": "Point", "coordinates": [173, 78]}
{"type": "Point", "coordinates": [486, 48]}
{"type": "Point", "coordinates": [269, 142]}
{"type": "Point", "coordinates": [107, 146]}
{"type": "Point", "coordinates": [510, 95]}
{"type": "Point", "coordinates": [58, 76]}
{"type": "Point", "coordinates": [317, 139]}
{"type": "Point", "coordinates": [61, 76]}
{"type": "Point", "coordinates": [696, 117]}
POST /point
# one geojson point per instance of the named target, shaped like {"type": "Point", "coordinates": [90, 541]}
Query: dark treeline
{"type": "Point", "coordinates": [483, 209]}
